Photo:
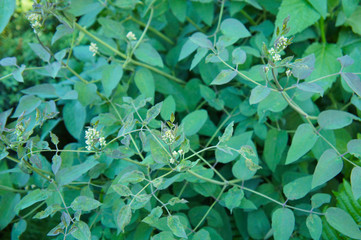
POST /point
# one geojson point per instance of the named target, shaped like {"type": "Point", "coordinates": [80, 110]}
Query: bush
{"type": "Point", "coordinates": [183, 119]}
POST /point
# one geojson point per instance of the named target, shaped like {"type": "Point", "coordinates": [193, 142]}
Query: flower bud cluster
{"type": "Point", "coordinates": [168, 136]}
{"type": "Point", "coordinates": [281, 44]}
{"type": "Point", "coordinates": [92, 137]}
{"type": "Point", "coordinates": [19, 131]}
{"type": "Point", "coordinates": [176, 155]}
{"type": "Point", "coordinates": [93, 48]}
{"type": "Point", "coordinates": [275, 56]}
{"type": "Point", "coordinates": [131, 36]}
{"type": "Point", "coordinates": [35, 21]}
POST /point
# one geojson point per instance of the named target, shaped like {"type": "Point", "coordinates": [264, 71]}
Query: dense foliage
{"type": "Point", "coordinates": [180, 119]}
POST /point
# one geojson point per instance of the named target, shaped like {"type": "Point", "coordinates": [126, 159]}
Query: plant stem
{"type": "Point", "coordinates": [155, 31]}
{"type": "Point", "coordinates": [323, 31]}
{"type": "Point", "coordinates": [122, 55]}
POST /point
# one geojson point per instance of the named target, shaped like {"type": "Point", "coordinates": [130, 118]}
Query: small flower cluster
{"type": "Point", "coordinates": [176, 155]}
{"type": "Point", "coordinates": [168, 136]}
{"type": "Point", "coordinates": [92, 137]}
{"type": "Point", "coordinates": [275, 55]}
{"type": "Point", "coordinates": [35, 21]}
{"type": "Point", "coordinates": [19, 131]}
{"type": "Point", "coordinates": [288, 72]}
{"type": "Point", "coordinates": [131, 36]}
{"type": "Point", "coordinates": [281, 44]}
{"type": "Point", "coordinates": [93, 48]}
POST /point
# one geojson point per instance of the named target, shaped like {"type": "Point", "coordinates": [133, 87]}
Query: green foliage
{"type": "Point", "coordinates": [180, 119]}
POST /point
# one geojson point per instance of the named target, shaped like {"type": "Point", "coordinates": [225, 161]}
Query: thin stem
{"type": "Point", "coordinates": [220, 127]}
{"type": "Point", "coordinates": [143, 34]}
{"type": "Point", "coordinates": [315, 80]}
{"type": "Point", "coordinates": [9, 189]}
{"type": "Point", "coordinates": [323, 31]}
{"type": "Point", "coordinates": [331, 145]}
{"type": "Point", "coordinates": [155, 31]}
{"type": "Point", "coordinates": [209, 209]}
{"type": "Point", "coordinates": [249, 18]}
{"type": "Point", "coordinates": [124, 56]}
{"type": "Point", "coordinates": [219, 23]}
{"type": "Point", "coordinates": [209, 165]}
{"type": "Point", "coordinates": [194, 24]}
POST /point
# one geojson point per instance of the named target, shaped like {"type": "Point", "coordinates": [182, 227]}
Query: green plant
{"type": "Point", "coordinates": [176, 116]}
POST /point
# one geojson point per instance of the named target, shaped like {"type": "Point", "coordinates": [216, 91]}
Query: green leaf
{"type": "Point", "coordinates": [8, 202]}
{"type": "Point", "coordinates": [31, 198]}
{"type": "Point", "coordinates": [123, 217]}
{"type": "Point", "coordinates": [238, 56]}
{"type": "Point", "coordinates": [8, 61]}
{"type": "Point", "coordinates": [82, 231]}
{"type": "Point", "coordinates": [258, 94]}
{"type": "Point", "coordinates": [18, 229]}
{"type": "Point", "coordinates": [18, 73]}
{"type": "Point", "coordinates": [202, 235]}
{"type": "Point", "coordinates": [42, 90]}
{"type": "Point", "coordinates": [194, 121]}
{"type": "Point", "coordinates": [302, 142]}
{"type": "Point", "coordinates": [302, 68]}
{"type": "Point", "coordinates": [145, 83]}
{"type": "Point", "coordinates": [168, 107]}
{"type": "Point", "coordinates": [201, 53]}
{"type": "Point", "coordinates": [167, 235]}
{"type": "Point", "coordinates": [354, 21]}
{"type": "Point", "coordinates": [329, 165]}
{"type": "Point", "coordinates": [233, 197]}
{"type": "Point", "coordinates": [298, 188]}
{"type": "Point", "coordinates": [228, 132]}
{"type": "Point", "coordinates": [74, 115]}
{"type": "Point", "coordinates": [353, 81]}
{"type": "Point", "coordinates": [154, 216]}
{"type": "Point", "coordinates": [134, 176]}
{"type": "Point", "coordinates": [224, 77]}
{"type": "Point", "coordinates": [302, 15]}
{"type": "Point", "coordinates": [176, 226]}
{"type": "Point", "coordinates": [122, 190]}
{"type": "Point", "coordinates": [87, 93]}
{"type": "Point", "coordinates": [153, 112]}
{"type": "Point", "coordinates": [27, 104]}
{"type": "Point", "coordinates": [69, 174]}
{"type": "Point", "coordinates": [147, 53]}
{"type": "Point", "coordinates": [349, 6]}
{"type": "Point", "coordinates": [283, 223]}
{"type": "Point", "coordinates": [84, 203]}
{"type": "Point", "coordinates": [40, 51]}
{"type": "Point", "coordinates": [342, 222]}
{"type": "Point", "coordinates": [188, 48]}
{"type": "Point", "coordinates": [3, 119]}
{"type": "Point", "coordinates": [159, 155]}
{"type": "Point", "coordinates": [335, 119]}
{"type": "Point", "coordinates": [275, 145]}
{"type": "Point", "coordinates": [345, 61]}
{"type": "Point", "coordinates": [319, 199]}
{"type": "Point", "coordinates": [310, 87]}
{"type": "Point", "coordinates": [354, 147]}
{"type": "Point", "coordinates": [233, 30]}
{"type": "Point", "coordinates": [7, 8]}
{"type": "Point", "coordinates": [258, 224]}
{"type": "Point", "coordinates": [356, 182]}
{"type": "Point", "coordinates": [61, 31]}
{"type": "Point", "coordinates": [326, 62]}
{"type": "Point", "coordinates": [201, 40]}
{"type": "Point", "coordinates": [179, 9]}
{"type": "Point", "coordinates": [314, 225]}
{"type": "Point", "coordinates": [111, 76]}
